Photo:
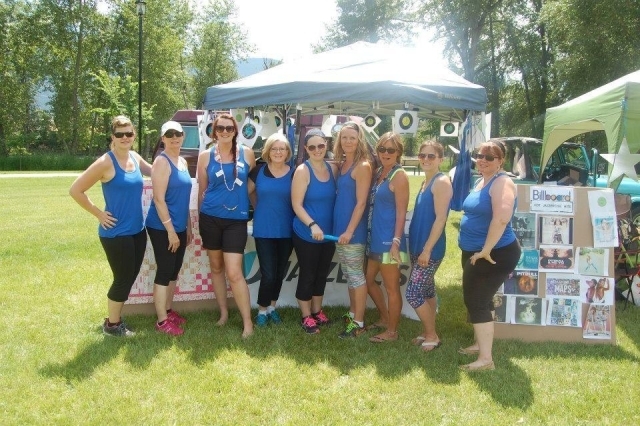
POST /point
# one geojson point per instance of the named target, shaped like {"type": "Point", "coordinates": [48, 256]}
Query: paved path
{"type": "Point", "coordinates": [38, 175]}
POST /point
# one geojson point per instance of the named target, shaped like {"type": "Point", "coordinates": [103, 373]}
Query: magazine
{"type": "Point", "coordinates": [528, 259]}
{"type": "Point", "coordinates": [556, 259]}
{"type": "Point", "coordinates": [597, 290]}
{"type": "Point", "coordinates": [592, 261]}
{"type": "Point", "coordinates": [564, 312]}
{"type": "Point", "coordinates": [522, 282]}
{"type": "Point", "coordinates": [598, 322]}
{"type": "Point", "coordinates": [555, 229]}
{"type": "Point", "coordinates": [529, 311]}
{"type": "Point", "coordinates": [563, 285]}
{"type": "Point", "coordinates": [524, 226]}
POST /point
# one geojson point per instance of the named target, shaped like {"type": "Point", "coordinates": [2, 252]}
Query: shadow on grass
{"type": "Point", "coordinates": [203, 342]}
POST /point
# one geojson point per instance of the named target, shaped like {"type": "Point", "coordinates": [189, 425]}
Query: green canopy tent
{"type": "Point", "coordinates": [614, 108]}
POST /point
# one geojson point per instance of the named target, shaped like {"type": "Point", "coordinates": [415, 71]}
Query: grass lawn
{"type": "Point", "coordinates": [57, 367]}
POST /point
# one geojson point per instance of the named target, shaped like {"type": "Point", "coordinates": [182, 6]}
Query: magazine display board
{"type": "Point", "coordinates": [563, 286]}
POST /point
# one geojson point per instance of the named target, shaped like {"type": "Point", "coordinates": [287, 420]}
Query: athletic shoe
{"type": "Point", "coordinates": [351, 330]}
{"type": "Point", "coordinates": [321, 318]}
{"type": "Point", "coordinates": [347, 318]}
{"type": "Point", "coordinates": [262, 320]}
{"type": "Point", "coordinates": [169, 328]}
{"type": "Point", "coordinates": [309, 325]}
{"type": "Point", "coordinates": [274, 316]}
{"type": "Point", "coordinates": [118, 330]}
{"type": "Point", "coordinates": [176, 318]}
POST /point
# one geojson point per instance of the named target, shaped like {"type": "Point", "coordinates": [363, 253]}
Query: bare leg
{"type": "Point", "coordinates": [427, 314]}
{"type": "Point", "coordinates": [305, 307]}
{"type": "Point", "coordinates": [115, 310]}
{"type": "Point", "coordinates": [352, 299]}
{"type": "Point", "coordinates": [216, 263]}
{"type": "Point", "coordinates": [484, 339]}
{"type": "Point", "coordinates": [359, 301]}
{"type": "Point", "coordinates": [160, 296]}
{"type": "Point", "coordinates": [316, 304]}
{"type": "Point", "coordinates": [391, 279]}
{"type": "Point", "coordinates": [375, 292]}
{"type": "Point", "coordinates": [171, 290]}
{"type": "Point", "coordinates": [233, 266]}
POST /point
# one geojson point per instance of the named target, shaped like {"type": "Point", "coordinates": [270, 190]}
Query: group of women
{"type": "Point", "coordinates": [347, 206]}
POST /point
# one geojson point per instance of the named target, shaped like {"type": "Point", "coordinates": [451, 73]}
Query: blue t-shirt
{"type": "Point", "coordinates": [226, 196]}
{"type": "Point", "coordinates": [346, 201]}
{"type": "Point", "coordinates": [474, 225]}
{"type": "Point", "coordinates": [123, 199]}
{"type": "Point", "coordinates": [424, 214]}
{"type": "Point", "coordinates": [318, 202]}
{"type": "Point", "coordinates": [177, 199]}
{"type": "Point", "coordinates": [273, 214]}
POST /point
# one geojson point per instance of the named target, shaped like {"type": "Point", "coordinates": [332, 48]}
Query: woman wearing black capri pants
{"type": "Point", "coordinates": [490, 250]}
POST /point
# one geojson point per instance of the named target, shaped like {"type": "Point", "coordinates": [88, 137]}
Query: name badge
{"type": "Point", "coordinates": [219, 173]}
{"type": "Point", "coordinates": [240, 165]}
{"type": "Point", "coordinates": [238, 182]}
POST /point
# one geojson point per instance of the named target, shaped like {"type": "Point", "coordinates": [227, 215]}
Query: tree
{"type": "Point", "coordinates": [367, 20]}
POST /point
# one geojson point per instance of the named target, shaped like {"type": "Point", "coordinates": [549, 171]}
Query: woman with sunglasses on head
{"type": "Point", "coordinates": [121, 228]}
{"type": "Point", "coordinates": [270, 193]}
{"type": "Point", "coordinates": [169, 225]}
{"type": "Point", "coordinates": [223, 202]}
{"type": "Point", "coordinates": [313, 194]}
{"type": "Point", "coordinates": [427, 241]}
{"type": "Point", "coordinates": [349, 220]}
{"type": "Point", "coordinates": [490, 249]}
{"type": "Point", "coordinates": [386, 249]}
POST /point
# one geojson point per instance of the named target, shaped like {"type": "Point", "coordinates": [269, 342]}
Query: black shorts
{"type": "Point", "coordinates": [228, 235]}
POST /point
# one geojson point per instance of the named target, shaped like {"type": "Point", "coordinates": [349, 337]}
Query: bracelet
{"type": "Point", "coordinates": [311, 224]}
{"type": "Point", "coordinates": [166, 221]}
{"type": "Point", "coordinates": [396, 240]}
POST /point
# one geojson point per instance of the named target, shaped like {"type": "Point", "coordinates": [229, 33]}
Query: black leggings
{"type": "Point", "coordinates": [168, 263]}
{"type": "Point", "coordinates": [481, 281]}
{"type": "Point", "coordinates": [125, 256]}
{"type": "Point", "coordinates": [314, 261]}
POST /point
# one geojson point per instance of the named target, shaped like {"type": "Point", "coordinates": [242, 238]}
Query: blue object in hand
{"type": "Point", "coordinates": [330, 238]}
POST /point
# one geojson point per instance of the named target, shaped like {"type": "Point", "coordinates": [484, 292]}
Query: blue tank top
{"type": "Point", "coordinates": [424, 214]}
{"type": "Point", "coordinates": [318, 202]}
{"type": "Point", "coordinates": [177, 198]}
{"type": "Point", "coordinates": [123, 199]}
{"type": "Point", "coordinates": [226, 196]}
{"type": "Point", "coordinates": [382, 203]}
{"type": "Point", "coordinates": [273, 214]}
{"type": "Point", "coordinates": [345, 204]}
{"type": "Point", "coordinates": [474, 225]}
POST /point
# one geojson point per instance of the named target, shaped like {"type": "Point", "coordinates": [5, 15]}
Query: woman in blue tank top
{"type": "Point", "coordinates": [223, 203]}
{"type": "Point", "coordinates": [386, 249]}
{"type": "Point", "coordinates": [121, 228]}
{"type": "Point", "coordinates": [490, 250]}
{"type": "Point", "coordinates": [169, 225]}
{"type": "Point", "coordinates": [350, 221]}
{"type": "Point", "coordinates": [427, 241]}
{"type": "Point", "coordinates": [313, 194]}
{"type": "Point", "coordinates": [270, 193]}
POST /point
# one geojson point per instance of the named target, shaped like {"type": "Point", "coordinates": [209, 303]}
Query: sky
{"type": "Point", "coordinates": [286, 29]}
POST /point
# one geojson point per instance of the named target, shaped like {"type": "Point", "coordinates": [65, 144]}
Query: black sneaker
{"type": "Point", "coordinates": [321, 318]}
{"type": "Point", "coordinates": [352, 330]}
{"type": "Point", "coordinates": [118, 330]}
{"type": "Point", "coordinates": [310, 326]}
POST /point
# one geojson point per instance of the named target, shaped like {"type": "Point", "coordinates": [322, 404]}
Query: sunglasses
{"type": "Point", "coordinates": [120, 135]}
{"type": "Point", "coordinates": [228, 129]}
{"type": "Point", "coordinates": [429, 156]}
{"type": "Point", "coordinates": [487, 157]}
{"type": "Point", "coordinates": [320, 147]}
{"type": "Point", "coordinates": [382, 150]}
{"type": "Point", "coordinates": [173, 133]}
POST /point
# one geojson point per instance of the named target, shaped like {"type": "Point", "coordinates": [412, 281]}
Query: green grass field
{"type": "Point", "coordinates": [57, 367]}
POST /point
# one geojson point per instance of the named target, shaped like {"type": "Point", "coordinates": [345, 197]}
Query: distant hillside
{"type": "Point", "coordinates": [250, 66]}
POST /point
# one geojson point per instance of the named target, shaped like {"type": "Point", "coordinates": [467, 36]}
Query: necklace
{"type": "Point", "coordinates": [224, 177]}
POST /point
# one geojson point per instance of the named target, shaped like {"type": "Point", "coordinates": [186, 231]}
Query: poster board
{"type": "Point", "coordinates": [581, 235]}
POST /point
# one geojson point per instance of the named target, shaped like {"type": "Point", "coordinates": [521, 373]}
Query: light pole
{"type": "Point", "coordinates": [141, 6]}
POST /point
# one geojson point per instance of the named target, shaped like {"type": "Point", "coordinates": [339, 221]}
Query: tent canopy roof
{"type": "Point", "coordinates": [614, 108]}
{"type": "Point", "coordinates": [355, 80]}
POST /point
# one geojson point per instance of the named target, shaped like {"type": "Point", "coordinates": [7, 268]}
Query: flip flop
{"type": "Point", "coordinates": [432, 345]}
{"type": "Point", "coordinates": [380, 339]}
{"type": "Point", "coordinates": [417, 341]}
{"type": "Point", "coordinates": [465, 351]}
